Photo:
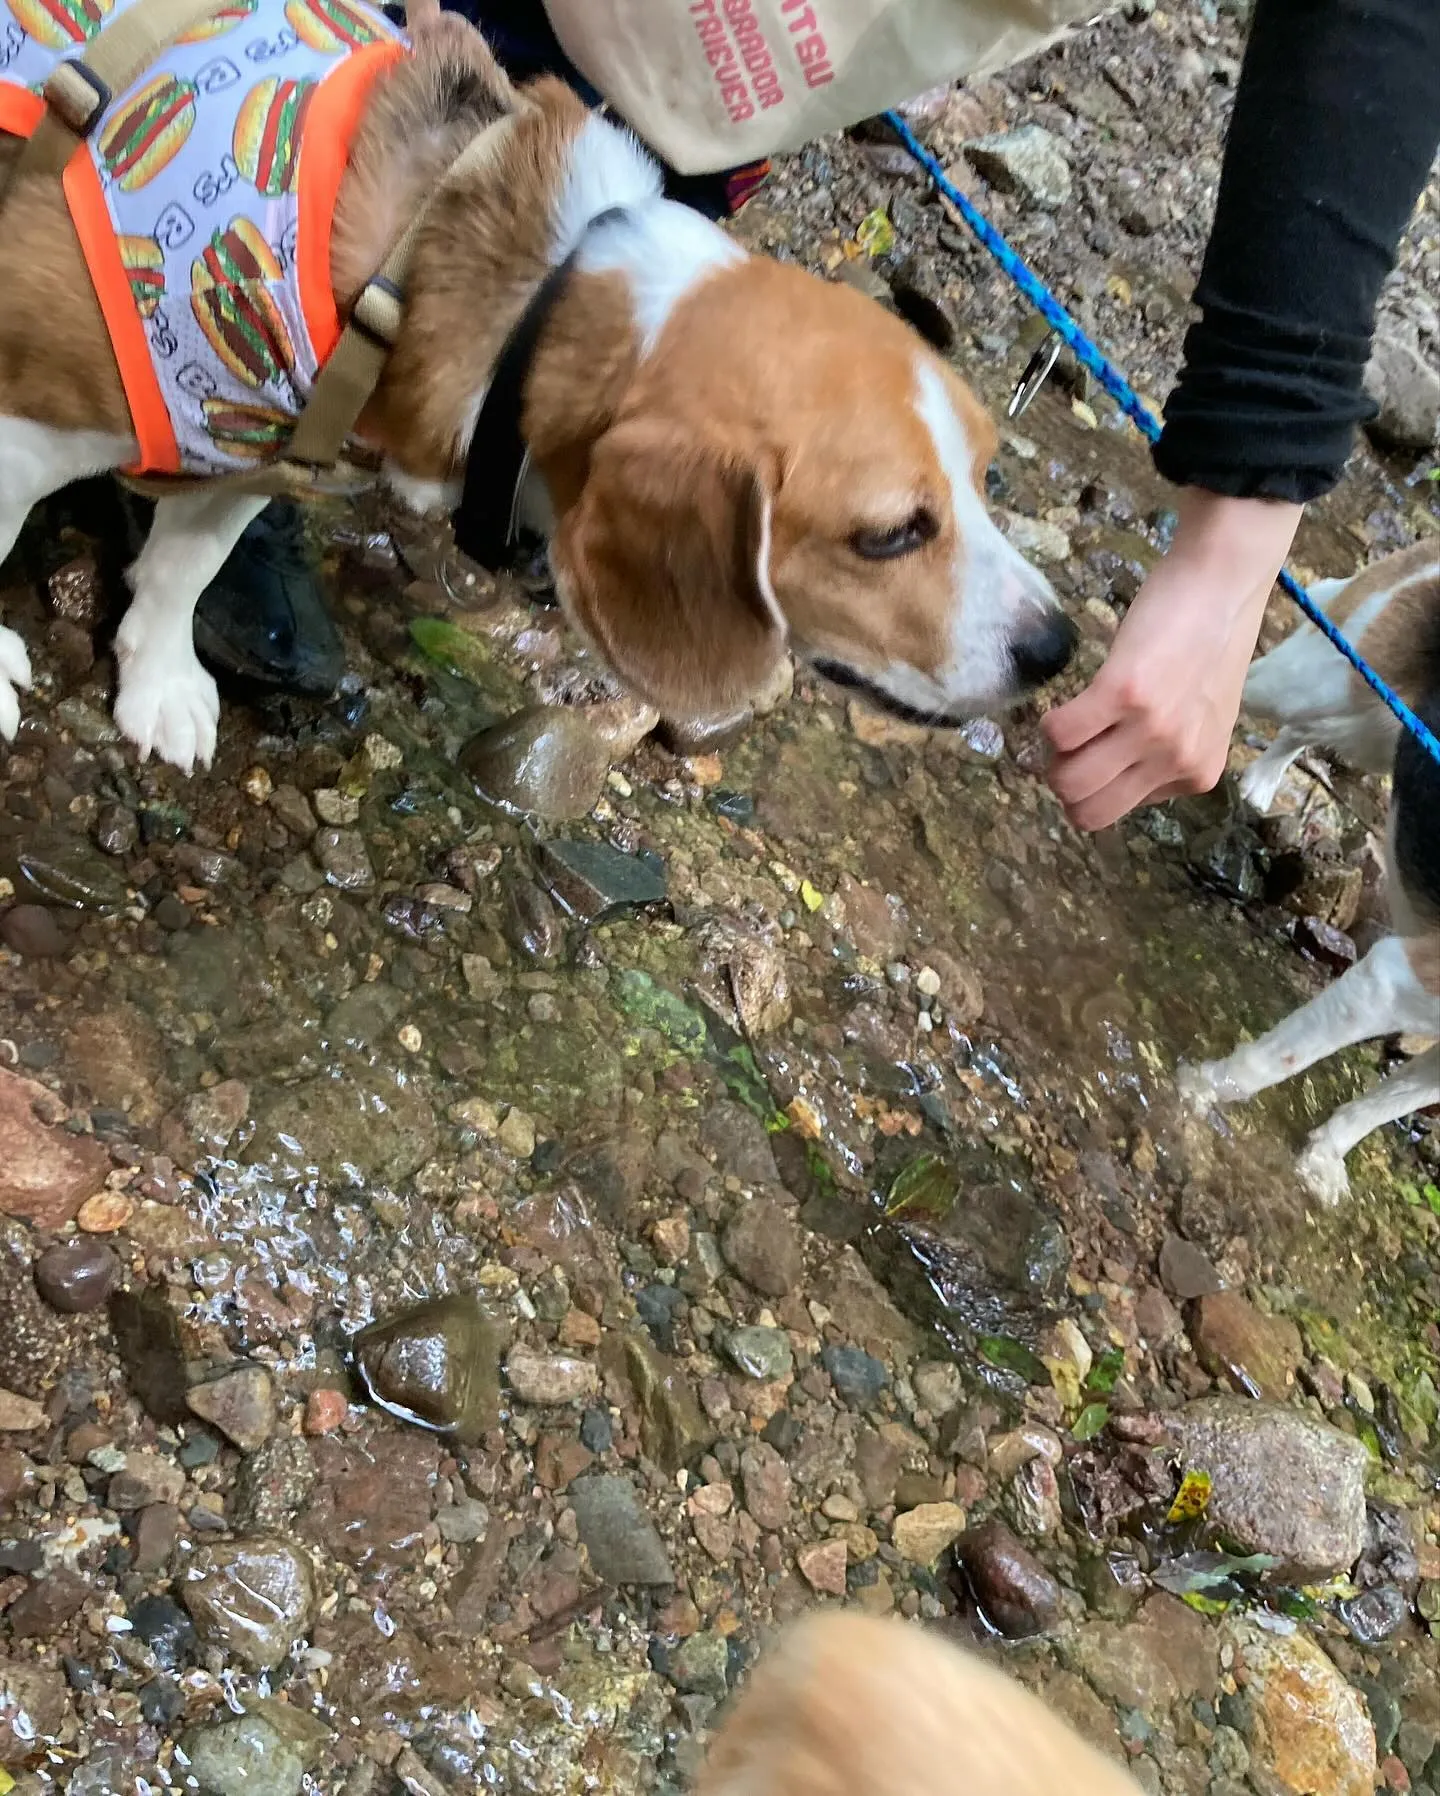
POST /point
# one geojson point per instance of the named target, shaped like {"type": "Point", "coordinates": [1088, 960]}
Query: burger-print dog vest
{"type": "Point", "coordinates": [203, 200]}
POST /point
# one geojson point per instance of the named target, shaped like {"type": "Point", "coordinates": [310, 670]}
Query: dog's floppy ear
{"type": "Point", "coordinates": [663, 562]}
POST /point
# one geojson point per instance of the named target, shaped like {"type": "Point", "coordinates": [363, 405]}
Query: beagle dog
{"type": "Point", "coordinates": [734, 458]}
{"type": "Point", "coordinates": [1391, 611]}
{"type": "Point", "coordinates": [848, 1705]}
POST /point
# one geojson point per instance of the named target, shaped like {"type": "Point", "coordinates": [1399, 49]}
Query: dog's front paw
{"type": "Point", "coordinates": [1322, 1172]}
{"type": "Point", "coordinates": [169, 709]}
{"type": "Point", "coordinates": [1260, 784]}
{"type": "Point", "coordinates": [14, 673]}
{"type": "Point", "coordinates": [1197, 1085]}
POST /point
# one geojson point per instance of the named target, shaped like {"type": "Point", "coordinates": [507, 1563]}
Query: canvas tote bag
{"type": "Point", "coordinates": [710, 84]}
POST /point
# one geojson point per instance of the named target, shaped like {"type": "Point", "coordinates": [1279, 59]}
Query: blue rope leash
{"type": "Point", "coordinates": [1135, 408]}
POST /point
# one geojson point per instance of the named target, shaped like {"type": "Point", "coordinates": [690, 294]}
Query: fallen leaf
{"type": "Point", "coordinates": [876, 235]}
{"type": "Point", "coordinates": [1192, 1499]}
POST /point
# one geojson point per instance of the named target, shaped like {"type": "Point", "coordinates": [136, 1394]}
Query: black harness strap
{"type": "Point", "coordinates": [485, 520]}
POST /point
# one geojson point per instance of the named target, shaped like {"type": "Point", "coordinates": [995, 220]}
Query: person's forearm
{"type": "Point", "coordinates": [1335, 126]}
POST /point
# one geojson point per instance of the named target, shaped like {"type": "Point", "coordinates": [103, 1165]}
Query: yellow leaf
{"type": "Point", "coordinates": [1084, 414]}
{"type": "Point", "coordinates": [1119, 288]}
{"type": "Point", "coordinates": [7, 1783]}
{"type": "Point", "coordinates": [1066, 1378]}
{"type": "Point", "coordinates": [876, 235]}
{"type": "Point", "coordinates": [809, 896]}
{"type": "Point", "coordinates": [1192, 1498]}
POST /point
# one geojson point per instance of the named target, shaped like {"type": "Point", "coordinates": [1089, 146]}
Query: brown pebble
{"type": "Point", "coordinates": [325, 1410]}
{"type": "Point", "coordinates": [32, 932]}
{"type": "Point", "coordinates": [76, 1276]}
{"type": "Point", "coordinates": [106, 1212]}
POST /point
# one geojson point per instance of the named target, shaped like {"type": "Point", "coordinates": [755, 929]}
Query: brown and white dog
{"type": "Point", "coordinates": [846, 1705]}
{"type": "Point", "coordinates": [1391, 611]}
{"type": "Point", "coordinates": [737, 459]}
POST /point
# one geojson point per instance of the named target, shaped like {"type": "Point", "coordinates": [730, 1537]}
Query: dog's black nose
{"type": "Point", "coordinates": [1045, 649]}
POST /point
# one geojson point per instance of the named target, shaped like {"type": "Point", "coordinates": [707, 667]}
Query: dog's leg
{"type": "Point", "coordinates": [1379, 996]}
{"type": "Point", "coordinates": [1409, 1088]}
{"type": "Point", "coordinates": [35, 461]}
{"type": "Point", "coordinates": [1261, 779]}
{"type": "Point", "coordinates": [167, 702]}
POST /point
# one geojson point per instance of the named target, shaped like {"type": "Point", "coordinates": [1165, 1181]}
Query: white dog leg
{"type": "Point", "coordinates": [1409, 1088]}
{"type": "Point", "coordinates": [1261, 780]}
{"type": "Point", "coordinates": [1379, 996]}
{"type": "Point", "coordinates": [35, 461]}
{"type": "Point", "coordinates": [167, 702]}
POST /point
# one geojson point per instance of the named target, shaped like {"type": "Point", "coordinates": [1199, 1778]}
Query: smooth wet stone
{"type": "Point", "coordinates": [617, 1532]}
{"type": "Point", "coordinates": [45, 1173]}
{"type": "Point", "coordinates": [765, 1481]}
{"type": "Point", "coordinates": [147, 1338]}
{"type": "Point", "coordinates": [549, 1378]}
{"type": "Point", "coordinates": [359, 1130]}
{"type": "Point", "coordinates": [1185, 1272]}
{"type": "Point", "coordinates": [995, 1258]}
{"type": "Point", "coordinates": [1306, 1728]}
{"type": "Point", "coordinates": [117, 830]}
{"type": "Point", "coordinates": [20, 1415]}
{"type": "Point", "coordinates": [48, 1606]}
{"type": "Point", "coordinates": [530, 922]}
{"type": "Point", "coordinates": [252, 1598]}
{"type": "Point", "coordinates": [547, 760]}
{"type": "Point", "coordinates": [760, 1352]}
{"type": "Point", "coordinates": [166, 1629]}
{"type": "Point", "coordinates": [435, 1364]}
{"type": "Point", "coordinates": [673, 1429]}
{"type": "Point", "coordinates": [858, 1376]}
{"type": "Point", "coordinates": [344, 859]}
{"type": "Point", "coordinates": [1015, 1592]}
{"type": "Point", "coordinates": [34, 1708]}
{"type": "Point", "coordinates": [241, 1404]}
{"type": "Point", "coordinates": [1256, 1354]}
{"type": "Point", "coordinates": [211, 1117]}
{"type": "Point", "coordinates": [145, 1478]}
{"type": "Point", "coordinates": [244, 1756]}
{"type": "Point", "coordinates": [32, 932]}
{"type": "Point", "coordinates": [594, 882]}
{"type": "Point", "coordinates": [762, 1246]}
{"type": "Point", "coordinates": [1282, 1483]}
{"type": "Point", "coordinates": [66, 870]}
{"type": "Point", "coordinates": [700, 1664]}
{"type": "Point", "coordinates": [1029, 162]}
{"type": "Point", "coordinates": [1375, 1614]}
{"type": "Point", "coordinates": [922, 1534]}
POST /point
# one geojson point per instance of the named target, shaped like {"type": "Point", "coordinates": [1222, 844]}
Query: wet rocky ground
{"type": "Point", "coordinates": [469, 1269]}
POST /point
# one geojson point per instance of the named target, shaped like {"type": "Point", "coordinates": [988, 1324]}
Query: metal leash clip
{"type": "Point", "coordinates": [1037, 372]}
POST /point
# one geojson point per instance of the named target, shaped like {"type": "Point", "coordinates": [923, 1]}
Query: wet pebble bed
{"type": "Point", "coordinates": [495, 1217]}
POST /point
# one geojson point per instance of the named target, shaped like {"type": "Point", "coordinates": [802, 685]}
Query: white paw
{"type": "Point", "coordinates": [168, 706]}
{"type": "Point", "coordinates": [1260, 785]}
{"type": "Point", "coordinates": [14, 672]}
{"type": "Point", "coordinates": [1322, 1172]}
{"type": "Point", "coordinates": [1198, 1086]}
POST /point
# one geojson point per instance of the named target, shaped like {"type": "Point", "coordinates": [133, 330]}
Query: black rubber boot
{"type": "Point", "coordinates": [263, 618]}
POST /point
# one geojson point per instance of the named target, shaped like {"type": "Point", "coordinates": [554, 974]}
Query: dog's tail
{"type": "Point", "coordinates": [1415, 798]}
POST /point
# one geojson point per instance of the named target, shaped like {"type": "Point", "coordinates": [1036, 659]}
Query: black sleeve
{"type": "Point", "coordinates": [1336, 120]}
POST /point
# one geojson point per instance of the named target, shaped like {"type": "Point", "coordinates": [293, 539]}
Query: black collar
{"type": "Point", "coordinates": [486, 521]}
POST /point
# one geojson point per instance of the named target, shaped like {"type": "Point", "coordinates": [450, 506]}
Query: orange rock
{"type": "Point", "coordinates": [45, 1174]}
{"type": "Point", "coordinates": [325, 1410]}
{"type": "Point", "coordinates": [105, 1212]}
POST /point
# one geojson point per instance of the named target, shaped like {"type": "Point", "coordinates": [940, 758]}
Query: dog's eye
{"type": "Point", "coordinates": [919, 528]}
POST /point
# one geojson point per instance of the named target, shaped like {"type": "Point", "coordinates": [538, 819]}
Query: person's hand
{"type": "Point", "coordinates": [1156, 720]}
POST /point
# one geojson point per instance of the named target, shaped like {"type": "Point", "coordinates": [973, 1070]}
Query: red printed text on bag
{"type": "Point", "coordinates": [735, 48]}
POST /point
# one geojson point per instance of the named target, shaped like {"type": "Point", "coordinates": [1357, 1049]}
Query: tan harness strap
{"type": "Point", "coordinates": [80, 88]}
{"type": "Point", "coordinates": [352, 372]}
